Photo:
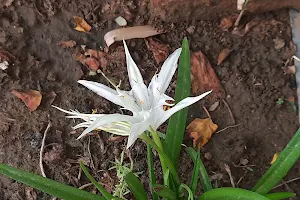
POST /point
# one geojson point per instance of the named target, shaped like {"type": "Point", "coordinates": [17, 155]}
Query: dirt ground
{"type": "Point", "coordinates": [252, 76]}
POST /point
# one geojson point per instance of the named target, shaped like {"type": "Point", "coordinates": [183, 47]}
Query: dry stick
{"type": "Point", "coordinates": [286, 182]}
{"type": "Point", "coordinates": [237, 22]}
{"type": "Point", "coordinates": [227, 168]}
{"type": "Point", "coordinates": [42, 150]}
{"type": "Point", "coordinates": [206, 112]}
{"type": "Point", "coordinates": [230, 112]}
{"type": "Point", "coordinates": [85, 186]}
{"type": "Point", "coordinates": [227, 128]}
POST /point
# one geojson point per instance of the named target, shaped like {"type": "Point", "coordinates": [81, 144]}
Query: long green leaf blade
{"type": "Point", "coordinates": [285, 161]}
{"type": "Point", "coordinates": [204, 178]}
{"type": "Point", "coordinates": [106, 194]}
{"type": "Point", "coordinates": [196, 170]}
{"type": "Point", "coordinates": [280, 195]}
{"type": "Point", "coordinates": [152, 180]}
{"type": "Point", "coordinates": [47, 185]}
{"type": "Point", "coordinates": [135, 186]}
{"type": "Point", "coordinates": [164, 192]}
{"type": "Point", "coordinates": [177, 122]}
{"type": "Point", "coordinates": [231, 194]}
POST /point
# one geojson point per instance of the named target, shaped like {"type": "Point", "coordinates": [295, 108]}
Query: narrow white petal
{"type": "Point", "coordinates": [167, 70]}
{"type": "Point", "coordinates": [107, 119]}
{"type": "Point", "coordinates": [102, 90]}
{"type": "Point", "coordinates": [180, 105]}
{"type": "Point", "coordinates": [136, 130]}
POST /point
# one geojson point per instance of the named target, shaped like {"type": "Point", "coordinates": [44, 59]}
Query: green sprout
{"type": "Point", "coordinates": [280, 101]}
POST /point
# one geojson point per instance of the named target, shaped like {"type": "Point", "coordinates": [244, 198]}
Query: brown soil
{"type": "Point", "coordinates": [252, 76]}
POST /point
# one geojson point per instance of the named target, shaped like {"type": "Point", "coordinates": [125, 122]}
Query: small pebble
{"type": "Point", "coordinates": [208, 156]}
{"type": "Point", "coordinates": [121, 21]}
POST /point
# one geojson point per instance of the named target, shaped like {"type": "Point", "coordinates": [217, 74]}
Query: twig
{"type": "Point", "coordinates": [42, 150]}
{"type": "Point", "coordinates": [227, 168]}
{"type": "Point", "coordinates": [296, 58]}
{"type": "Point", "coordinates": [229, 110]}
{"type": "Point", "coordinates": [90, 155]}
{"type": "Point", "coordinates": [242, 166]}
{"type": "Point", "coordinates": [85, 186]}
{"type": "Point", "coordinates": [79, 174]}
{"type": "Point", "coordinates": [237, 22]}
{"type": "Point", "coordinates": [286, 182]}
{"type": "Point", "coordinates": [227, 128]}
{"type": "Point", "coordinates": [206, 112]}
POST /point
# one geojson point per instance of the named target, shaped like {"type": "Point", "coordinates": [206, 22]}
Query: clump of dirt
{"type": "Point", "coordinates": [252, 77]}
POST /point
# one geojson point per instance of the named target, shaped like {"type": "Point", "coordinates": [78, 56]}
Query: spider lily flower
{"type": "Point", "coordinates": [145, 103]}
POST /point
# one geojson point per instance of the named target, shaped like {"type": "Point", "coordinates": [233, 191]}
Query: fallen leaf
{"type": "Point", "coordinates": [227, 22]}
{"type": "Point", "coordinates": [214, 106]}
{"type": "Point", "coordinates": [66, 44]}
{"type": "Point", "coordinates": [121, 21]}
{"type": "Point", "coordinates": [81, 24]}
{"type": "Point", "coordinates": [275, 156]}
{"type": "Point", "coordinates": [278, 43]}
{"type": "Point", "coordinates": [99, 55]}
{"type": "Point", "coordinates": [90, 62]}
{"type": "Point", "coordinates": [160, 51]}
{"type": "Point", "coordinates": [290, 69]}
{"type": "Point", "coordinates": [129, 33]}
{"type": "Point", "coordinates": [31, 98]}
{"type": "Point", "coordinates": [6, 56]}
{"type": "Point", "coordinates": [204, 77]}
{"type": "Point", "coordinates": [223, 55]}
{"type": "Point", "coordinates": [201, 131]}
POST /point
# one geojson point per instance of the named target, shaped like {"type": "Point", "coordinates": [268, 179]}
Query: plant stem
{"type": "Point", "coordinates": [152, 180]}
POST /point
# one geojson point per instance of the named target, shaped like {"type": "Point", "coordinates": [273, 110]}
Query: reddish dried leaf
{"type": "Point", "coordinates": [91, 63]}
{"type": "Point", "coordinates": [227, 22]}
{"type": "Point", "coordinates": [160, 51]}
{"type": "Point", "coordinates": [55, 154]}
{"type": "Point", "coordinates": [223, 55]}
{"type": "Point", "coordinates": [32, 98]}
{"type": "Point", "coordinates": [66, 44]}
{"type": "Point", "coordinates": [201, 131]}
{"type": "Point", "coordinates": [6, 56]}
{"type": "Point", "coordinates": [99, 55]}
{"type": "Point", "coordinates": [204, 77]}
{"type": "Point", "coordinates": [81, 24]}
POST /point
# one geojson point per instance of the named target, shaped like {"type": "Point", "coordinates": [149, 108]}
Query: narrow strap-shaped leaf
{"type": "Point", "coordinates": [135, 186]}
{"type": "Point", "coordinates": [164, 192]}
{"type": "Point", "coordinates": [106, 194]}
{"type": "Point", "coordinates": [231, 194]}
{"type": "Point", "coordinates": [47, 185]}
{"type": "Point", "coordinates": [285, 161]}
{"type": "Point", "coordinates": [177, 122]}
{"type": "Point", "coordinates": [152, 180]}
{"type": "Point", "coordinates": [204, 178]}
{"type": "Point", "coordinates": [196, 172]}
{"type": "Point", "coordinates": [279, 195]}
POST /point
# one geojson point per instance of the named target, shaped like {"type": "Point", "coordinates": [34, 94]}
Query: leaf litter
{"type": "Point", "coordinates": [31, 98]}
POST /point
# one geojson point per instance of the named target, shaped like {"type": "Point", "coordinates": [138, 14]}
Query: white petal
{"type": "Point", "coordinates": [105, 120]}
{"type": "Point", "coordinates": [136, 130]}
{"type": "Point", "coordinates": [180, 105]}
{"type": "Point", "coordinates": [167, 70]}
{"type": "Point", "coordinates": [135, 78]}
{"type": "Point", "coordinates": [102, 90]}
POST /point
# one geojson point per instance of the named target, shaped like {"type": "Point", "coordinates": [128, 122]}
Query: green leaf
{"type": "Point", "coordinates": [135, 186]}
{"type": "Point", "coordinates": [196, 170]}
{"type": "Point", "coordinates": [177, 122]}
{"type": "Point", "coordinates": [164, 192]}
{"type": "Point", "coordinates": [151, 170]}
{"type": "Point", "coordinates": [280, 195]}
{"type": "Point", "coordinates": [285, 161]}
{"type": "Point", "coordinates": [204, 178]}
{"type": "Point", "coordinates": [231, 194]}
{"type": "Point", "coordinates": [47, 185]}
{"type": "Point", "coordinates": [192, 153]}
{"type": "Point", "coordinates": [106, 194]}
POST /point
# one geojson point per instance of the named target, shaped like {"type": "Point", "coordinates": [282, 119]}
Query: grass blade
{"type": "Point", "coordinates": [47, 185]}
{"type": "Point", "coordinates": [177, 122]}
{"type": "Point", "coordinates": [280, 168]}
{"type": "Point", "coordinates": [106, 194]}
{"type": "Point", "coordinates": [135, 186]}
{"type": "Point", "coordinates": [231, 194]}
{"type": "Point", "coordinates": [152, 180]}
{"type": "Point", "coordinates": [280, 195]}
{"type": "Point", "coordinates": [196, 171]}
{"type": "Point", "coordinates": [204, 178]}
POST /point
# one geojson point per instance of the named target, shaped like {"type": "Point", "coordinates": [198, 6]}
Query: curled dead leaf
{"type": "Point", "coordinates": [160, 51]}
{"type": "Point", "coordinates": [129, 33]}
{"type": "Point", "coordinates": [201, 131]}
{"type": "Point", "coordinates": [91, 63]}
{"type": "Point", "coordinates": [223, 55]}
{"type": "Point", "coordinates": [204, 77]}
{"type": "Point", "coordinates": [66, 44]}
{"type": "Point", "coordinates": [31, 98]}
{"type": "Point", "coordinates": [81, 24]}
{"type": "Point", "coordinates": [275, 156]}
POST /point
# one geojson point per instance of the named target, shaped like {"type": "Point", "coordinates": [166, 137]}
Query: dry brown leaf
{"type": "Point", "coordinates": [275, 156]}
{"type": "Point", "coordinates": [290, 69]}
{"type": "Point", "coordinates": [90, 62]}
{"type": "Point", "coordinates": [201, 131]}
{"type": "Point", "coordinates": [160, 51]}
{"type": "Point", "coordinates": [204, 77]}
{"type": "Point", "coordinates": [6, 56]}
{"type": "Point", "coordinates": [99, 55]}
{"type": "Point", "coordinates": [31, 98]}
{"type": "Point", "coordinates": [81, 24]}
{"type": "Point", "coordinates": [66, 44]}
{"type": "Point", "coordinates": [223, 55]}
{"type": "Point", "coordinates": [227, 22]}
{"type": "Point", "coordinates": [129, 33]}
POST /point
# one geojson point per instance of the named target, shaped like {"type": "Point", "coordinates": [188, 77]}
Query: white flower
{"type": "Point", "coordinates": [146, 104]}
